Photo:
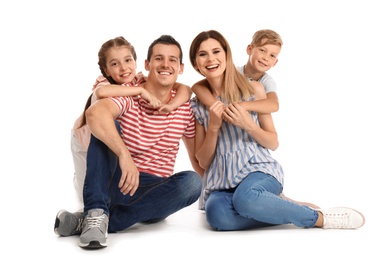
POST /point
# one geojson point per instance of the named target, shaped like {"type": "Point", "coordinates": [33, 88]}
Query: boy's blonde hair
{"type": "Point", "coordinates": [263, 37]}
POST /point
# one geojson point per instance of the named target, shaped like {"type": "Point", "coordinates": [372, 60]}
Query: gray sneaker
{"type": "Point", "coordinates": [68, 224]}
{"type": "Point", "coordinates": [94, 231]}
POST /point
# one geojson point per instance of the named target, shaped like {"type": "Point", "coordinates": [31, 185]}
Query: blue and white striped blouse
{"type": "Point", "coordinates": [237, 155]}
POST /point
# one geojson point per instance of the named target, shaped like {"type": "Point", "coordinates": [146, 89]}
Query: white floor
{"type": "Point", "coordinates": [186, 235]}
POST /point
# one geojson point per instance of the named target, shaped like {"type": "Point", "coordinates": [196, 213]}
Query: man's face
{"type": "Point", "coordinates": [164, 66]}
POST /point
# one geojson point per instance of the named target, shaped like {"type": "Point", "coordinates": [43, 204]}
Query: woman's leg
{"type": "Point", "coordinates": [257, 197]}
{"type": "Point", "coordinates": [221, 215]}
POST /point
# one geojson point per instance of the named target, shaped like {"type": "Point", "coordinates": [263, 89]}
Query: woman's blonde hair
{"type": "Point", "coordinates": [235, 86]}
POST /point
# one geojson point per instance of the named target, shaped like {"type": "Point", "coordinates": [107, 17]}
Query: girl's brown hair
{"type": "Point", "coordinates": [102, 62]}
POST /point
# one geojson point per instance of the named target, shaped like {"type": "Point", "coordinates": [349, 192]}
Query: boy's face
{"type": "Point", "coordinates": [121, 65]}
{"type": "Point", "coordinates": [262, 58]}
{"type": "Point", "coordinates": [164, 65]}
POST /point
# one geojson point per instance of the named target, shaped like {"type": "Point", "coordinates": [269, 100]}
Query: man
{"type": "Point", "coordinates": [132, 153]}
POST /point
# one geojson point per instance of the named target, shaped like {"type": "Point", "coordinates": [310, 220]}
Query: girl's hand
{"type": "Point", "coordinates": [153, 101]}
{"type": "Point", "coordinates": [139, 78]}
{"type": "Point", "coordinates": [164, 109]}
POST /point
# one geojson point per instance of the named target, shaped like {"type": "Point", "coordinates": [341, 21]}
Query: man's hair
{"type": "Point", "coordinates": [164, 39]}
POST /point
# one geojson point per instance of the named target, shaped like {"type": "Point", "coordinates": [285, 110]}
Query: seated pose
{"type": "Point", "coordinates": [242, 181]}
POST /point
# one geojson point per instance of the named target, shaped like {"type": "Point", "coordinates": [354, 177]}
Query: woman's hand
{"type": "Point", "coordinates": [215, 114]}
{"type": "Point", "coordinates": [238, 116]}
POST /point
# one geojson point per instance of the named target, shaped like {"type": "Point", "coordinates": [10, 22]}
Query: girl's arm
{"type": "Point", "coordinates": [123, 91]}
{"type": "Point", "coordinates": [270, 104]}
{"type": "Point", "coordinates": [201, 90]}
{"type": "Point", "coordinates": [183, 94]}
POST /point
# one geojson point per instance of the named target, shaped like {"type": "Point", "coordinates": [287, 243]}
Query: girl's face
{"type": "Point", "coordinates": [210, 59]}
{"type": "Point", "coordinates": [121, 65]}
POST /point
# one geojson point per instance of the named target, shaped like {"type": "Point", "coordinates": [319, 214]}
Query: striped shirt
{"type": "Point", "coordinates": [153, 140]}
{"type": "Point", "coordinates": [237, 154]}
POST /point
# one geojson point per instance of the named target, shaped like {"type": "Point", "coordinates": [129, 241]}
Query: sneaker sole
{"type": "Point", "coordinates": [93, 245]}
{"type": "Point", "coordinates": [57, 224]}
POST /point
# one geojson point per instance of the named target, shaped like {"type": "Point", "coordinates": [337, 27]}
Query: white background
{"type": "Point", "coordinates": [331, 121]}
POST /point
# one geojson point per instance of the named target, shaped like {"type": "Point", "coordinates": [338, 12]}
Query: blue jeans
{"type": "Point", "coordinates": [155, 199]}
{"type": "Point", "coordinates": [255, 203]}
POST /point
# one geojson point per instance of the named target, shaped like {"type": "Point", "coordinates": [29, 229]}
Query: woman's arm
{"type": "Point", "coordinates": [206, 142]}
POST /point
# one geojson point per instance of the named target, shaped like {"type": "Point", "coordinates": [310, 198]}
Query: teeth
{"type": "Point", "coordinates": [211, 67]}
{"type": "Point", "coordinates": [164, 73]}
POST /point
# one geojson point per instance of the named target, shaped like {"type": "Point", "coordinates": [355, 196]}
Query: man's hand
{"type": "Point", "coordinates": [130, 176]}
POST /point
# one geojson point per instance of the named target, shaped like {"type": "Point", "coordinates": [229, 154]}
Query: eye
{"type": "Point", "coordinates": [201, 54]}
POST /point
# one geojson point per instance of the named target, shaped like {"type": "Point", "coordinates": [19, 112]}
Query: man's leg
{"type": "Point", "coordinates": [156, 198]}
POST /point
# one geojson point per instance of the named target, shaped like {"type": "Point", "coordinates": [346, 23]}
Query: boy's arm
{"type": "Point", "coordinates": [263, 105]}
{"type": "Point", "coordinates": [201, 90]}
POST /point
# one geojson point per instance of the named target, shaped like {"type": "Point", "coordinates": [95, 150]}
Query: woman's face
{"type": "Point", "coordinates": [210, 59]}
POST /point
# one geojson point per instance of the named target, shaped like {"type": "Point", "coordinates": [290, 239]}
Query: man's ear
{"type": "Point", "coordinates": [146, 65]}
{"type": "Point", "coordinates": [182, 66]}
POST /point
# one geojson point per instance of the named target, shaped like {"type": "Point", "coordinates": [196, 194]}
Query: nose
{"type": "Point", "coordinates": [210, 57]}
{"type": "Point", "coordinates": [265, 56]}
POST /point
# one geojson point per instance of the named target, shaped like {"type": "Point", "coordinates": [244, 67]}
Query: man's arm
{"type": "Point", "coordinates": [100, 119]}
{"type": "Point", "coordinates": [189, 145]}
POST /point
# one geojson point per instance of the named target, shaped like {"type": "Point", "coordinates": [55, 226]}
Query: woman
{"type": "Point", "coordinates": [242, 181]}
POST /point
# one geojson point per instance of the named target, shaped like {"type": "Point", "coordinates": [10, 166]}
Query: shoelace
{"type": "Point", "coordinates": [95, 221]}
{"type": "Point", "coordinates": [80, 222]}
{"type": "Point", "coordinates": [336, 220]}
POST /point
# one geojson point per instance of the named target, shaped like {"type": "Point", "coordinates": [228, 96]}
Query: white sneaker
{"type": "Point", "coordinates": [342, 218]}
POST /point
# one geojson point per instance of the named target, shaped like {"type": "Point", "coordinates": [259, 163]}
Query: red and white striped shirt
{"type": "Point", "coordinates": [153, 140]}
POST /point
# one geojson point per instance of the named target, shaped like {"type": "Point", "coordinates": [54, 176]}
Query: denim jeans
{"type": "Point", "coordinates": [155, 199]}
{"type": "Point", "coordinates": [255, 203]}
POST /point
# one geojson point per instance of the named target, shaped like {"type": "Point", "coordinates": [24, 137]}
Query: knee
{"type": "Point", "coordinates": [216, 215]}
{"type": "Point", "coordinates": [193, 182]}
{"type": "Point", "coordinates": [189, 186]}
{"type": "Point", "coordinates": [245, 202]}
